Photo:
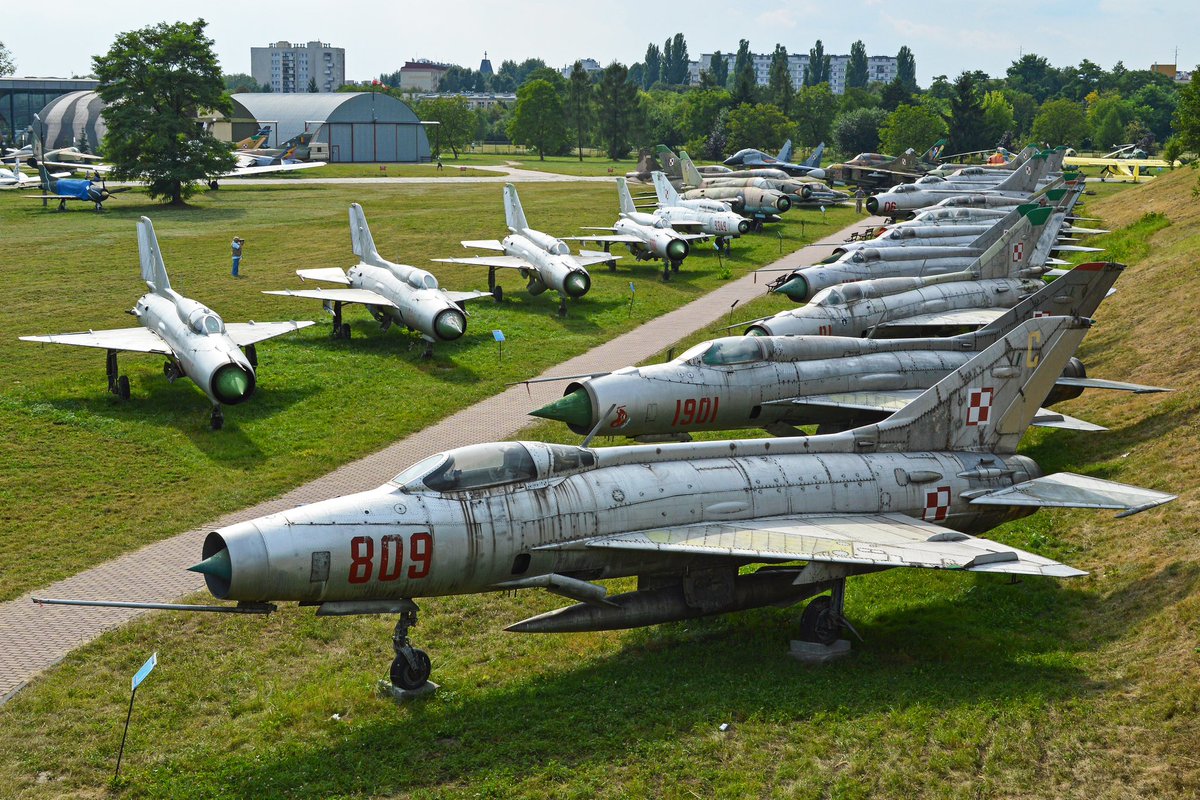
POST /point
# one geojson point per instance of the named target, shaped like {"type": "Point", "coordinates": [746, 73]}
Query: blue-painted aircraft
{"type": "Point", "coordinates": [64, 189]}
{"type": "Point", "coordinates": [750, 158]}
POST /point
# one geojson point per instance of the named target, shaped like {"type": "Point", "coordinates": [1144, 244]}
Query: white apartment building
{"type": "Point", "coordinates": [879, 68]}
{"type": "Point", "coordinates": [287, 67]}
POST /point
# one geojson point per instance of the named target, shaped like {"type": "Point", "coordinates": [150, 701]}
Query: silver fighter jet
{"type": "Point", "coordinates": [546, 261]}
{"type": "Point", "coordinates": [710, 217]}
{"type": "Point", "coordinates": [198, 344]}
{"type": "Point", "coordinates": [391, 292]}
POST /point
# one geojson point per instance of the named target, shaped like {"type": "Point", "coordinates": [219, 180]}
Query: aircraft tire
{"type": "Point", "coordinates": [344, 331]}
{"type": "Point", "coordinates": [498, 295]}
{"type": "Point", "coordinates": [817, 623]}
{"type": "Point", "coordinates": [123, 387]}
{"type": "Point", "coordinates": [407, 676]}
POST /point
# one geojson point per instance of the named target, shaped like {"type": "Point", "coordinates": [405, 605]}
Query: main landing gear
{"type": "Point", "coordinates": [117, 384]}
{"type": "Point", "coordinates": [497, 291]}
{"type": "Point", "coordinates": [341, 330]}
{"type": "Point", "coordinates": [411, 667]}
{"type": "Point", "coordinates": [562, 306]}
{"type": "Point", "coordinates": [823, 618]}
{"type": "Point", "coordinates": [217, 420]}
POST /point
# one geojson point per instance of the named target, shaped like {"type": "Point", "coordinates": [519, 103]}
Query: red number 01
{"type": "Point", "coordinates": [391, 557]}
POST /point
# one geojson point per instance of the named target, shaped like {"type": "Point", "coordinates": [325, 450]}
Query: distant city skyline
{"type": "Point", "coordinates": [946, 37]}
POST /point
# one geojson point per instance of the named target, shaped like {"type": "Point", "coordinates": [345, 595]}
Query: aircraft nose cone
{"type": "Point", "coordinates": [757, 330]}
{"type": "Point", "coordinates": [216, 565]}
{"type": "Point", "coordinates": [577, 283]}
{"type": "Point", "coordinates": [231, 384]}
{"type": "Point", "coordinates": [796, 289]}
{"type": "Point", "coordinates": [450, 324]}
{"type": "Point", "coordinates": [783, 203]}
{"type": "Point", "coordinates": [819, 174]}
{"type": "Point", "coordinates": [677, 249]}
{"type": "Point", "coordinates": [873, 205]}
{"type": "Point", "coordinates": [575, 409]}
{"type": "Point", "coordinates": [744, 226]}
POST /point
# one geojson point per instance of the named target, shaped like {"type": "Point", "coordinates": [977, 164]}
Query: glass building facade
{"type": "Point", "coordinates": [21, 98]}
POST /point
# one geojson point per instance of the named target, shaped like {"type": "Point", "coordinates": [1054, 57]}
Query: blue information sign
{"type": "Point", "coordinates": [498, 336]}
{"type": "Point", "coordinates": [146, 669]}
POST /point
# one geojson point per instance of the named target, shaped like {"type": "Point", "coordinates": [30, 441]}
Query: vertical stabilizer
{"type": "Point", "coordinates": [667, 196]}
{"type": "Point", "coordinates": [1076, 294]}
{"type": "Point", "coordinates": [154, 271]}
{"type": "Point", "coordinates": [785, 152]}
{"type": "Point", "coordinates": [626, 199]}
{"type": "Point", "coordinates": [514, 215]}
{"type": "Point", "coordinates": [814, 159]}
{"type": "Point", "coordinates": [670, 162]}
{"type": "Point", "coordinates": [1026, 177]}
{"type": "Point", "coordinates": [987, 403]}
{"type": "Point", "coordinates": [360, 236]}
{"type": "Point", "coordinates": [1012, 252]}
{"type": "Point", "coordinates": [691, 175]}
{"type": "Point", "coordinates": [935, 152]}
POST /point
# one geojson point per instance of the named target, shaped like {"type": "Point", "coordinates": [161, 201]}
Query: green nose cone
{"type": "Point", "coordinates": [796, 289]}
{"type": "Point", "coordinates": [231, 384]}
{"type": "Point", "coordinates": [573, 409]}
{"type": "Point", "coordinates": [450, 325]}
{"type": "Point", "coordinates": [216, 565]}
{"type": "Point", "coordinates": [677, 250]}
{"type": "Point", "coordinates": [577, 283]}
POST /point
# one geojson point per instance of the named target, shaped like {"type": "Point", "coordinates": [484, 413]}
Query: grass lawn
{"type": "Point", "coordinates": [106, 476]}
{"type": "Point", "coordinates": [967, 685]}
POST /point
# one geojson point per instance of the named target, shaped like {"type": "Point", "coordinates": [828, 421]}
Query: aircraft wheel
{"type": "Point", "coordinates": [214, 185]}
{"type": "Point", "coordinates": [123, 387]}
{"type": "Point", "coordinates": [414, 675]}
{"type": "Point", "coordinates": [344, 331]}
{"type": "Point", "coordinates": [498, 295]}
{"type": "Point", "coordinates": [218, 419]}
{"type": "Point", "coordinates": [818, 623]}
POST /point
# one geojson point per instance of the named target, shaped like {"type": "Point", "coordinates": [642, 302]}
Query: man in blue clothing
{"type": "Point", "coordinates": [237, 253]}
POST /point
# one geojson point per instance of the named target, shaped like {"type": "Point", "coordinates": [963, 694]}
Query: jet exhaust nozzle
{"type": "Point", "coordinates": [744, 227]}
{"type": "Point", "coordinates": [873, 205]}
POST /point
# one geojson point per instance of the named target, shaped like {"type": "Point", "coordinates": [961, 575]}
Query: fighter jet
{"type": "Point", "coordinates": [688, 519]}
{"type": "Point", "coordinates": [707, 216]}
{"type": "Point", "coordinates": [837, 382]}
{"type": "Point", "coordinates": [877, 170]}
{"type": "Point", "coordinates": [198, 344]}
{"type": "Point", "coordinates": [757, 202]}
{"type": "Point", "coordinates": [546, 261]}
{"type": "Point", "coordinates": [391, 292]}
{"type": "Point", "coordinates": [907, 197]}
{"type": "Point", "coordinates": [749, 157]}
{"type": "Point", "coordinates": [647, 236]}
{"type": "Point", "coordinates": [1000, 169]}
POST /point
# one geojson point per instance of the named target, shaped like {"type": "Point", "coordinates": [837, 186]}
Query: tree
{"type": "Point", "coordinates": [538, 118]}
{"type": "Point", "coordinates": [1033, 75]}
{"type": "Point", "coordinates": [857, 131]}
{"type": "Point", "coordinates": [894, 95]}
{"type": "Point", "coordinates": [911, 127]}
{"type": "Point", "coordinates": [718, 68]}
{"type": "Point", "coordinates": [700, 110]}
{"type": "Point", "coordinates": [155, 81]}
{"type": "Point", "coordinates": [906, 69]}
{"type": "Point", "coordinates": [1024, 109]}
{"type": "Point", "coordinates": [857, 73]}
{"type": "Point", "coordinates": [677, 69]}
{"type": "Point", "coordinates": [7, 65]}
{"type": "Point", "coordinates": [1060, 122]}
{"type": "Point", "coordinates": [667, 56]}
{"type": "Point", "coordinates": [456, 123]}
{"type": "Point", "coordinates": [998, 118]}
{"type": "Point", "coordinates": [617, 104]}
{"type": "Point", "coordinates": [652, 66]}
{"type": "Point", "coordinates": [1186, 121]}
{"type": "Point", "coordinates": [312, 86]}
{"type": "Point", "coordinates": [662, 114]}
{"type": "Point", "coordinates": [718, 140]}
{"type": "Point", "coordinates": [858, 98]}
{"type": "Point", "coordinates": [762, 126]}
{"type": "Point", "coordinates": [817, 70]}
{"type": "Point", "coordinates": [744, 81]}
{"type": "Point", "coordinates": [967, 131]}
{"type": "Point", "coordinates": [779, 88]}
{"type": "Point", "coordinates": [239, 82]}
{"type": "Point", "coordinates": [1107, 130]}
{"type": "Point", "coordinates": [816, 106]}
{"type": "Point", "coordinates": [579, 103]}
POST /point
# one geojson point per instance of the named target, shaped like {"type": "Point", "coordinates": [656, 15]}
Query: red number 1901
{"type": "Point", "coordinates": [391, 557]}
{"type": "Point", "coordinates": [695, 412]}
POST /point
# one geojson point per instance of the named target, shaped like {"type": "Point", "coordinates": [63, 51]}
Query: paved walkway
{"type": "Point", "coordinates": [33, 638]}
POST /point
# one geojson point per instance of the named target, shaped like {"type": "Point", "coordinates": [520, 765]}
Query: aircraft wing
{"type": "Point", "coordinates": [484, 244]}
{"type": "Point", "coordinates": [1067, 490]}
{"type": "Point", "coordinates": [960, 316]}
{"type": "Point", "coordinates": [691, 237]}
{"type": "Point", "coordinates": [460, 297]}
{"type": "Point", "coordinates": [889, 402]}
{"type": "Point", "coordinates": [587, 258]}
{"type": "Point", "coordinates": [82, 166]}
{"type": "Point", "coordinates": [138, 340]}
{"type": "Point", "coordinates": [884, 540]}
{"type": "Point", "coordinates": [364, 296]}
{"type": "Point", "coordinates": [244, 333]}
{"type": "Point", "coordinates": [238, 172]}
{"type": "Point", "coordinates": [510, 262]}
{"type": "Point", "coordinates": [616, 238]}
{"type": "Point", "coordinates": [1100, 383]}
{"type": "Point", "coordinates": [694, 227]}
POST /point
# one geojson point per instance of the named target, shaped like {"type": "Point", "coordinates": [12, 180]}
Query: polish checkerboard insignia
{"type": "Point", "coordinates": [937, 504]}
{"type": "Point", "coordinates": [979, 405]}
{"type": "Point", "coordinates": [1018, 251]}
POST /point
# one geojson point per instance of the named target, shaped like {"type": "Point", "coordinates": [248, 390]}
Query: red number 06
{"type": "Point", "coordinates": [391, 557]}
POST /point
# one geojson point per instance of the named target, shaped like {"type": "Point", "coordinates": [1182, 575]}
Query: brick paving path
{"type": "Point", "coordinates": [33, 638]}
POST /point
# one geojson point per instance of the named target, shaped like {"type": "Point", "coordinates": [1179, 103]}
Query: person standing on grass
{"type": "Point", "coordinates": [859, 196]}
{"type": "Point", "coordinates": [237, 253]}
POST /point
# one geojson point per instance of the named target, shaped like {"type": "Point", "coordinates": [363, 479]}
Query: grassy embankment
{"type": "Point", "coordinates": [86, 477]}
{"type": "Point", "coordinates": [966, 686]}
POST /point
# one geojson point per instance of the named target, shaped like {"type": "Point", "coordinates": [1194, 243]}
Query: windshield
{"type": "Point", "coordinates": [471, 468]}
{"type": "Point", "coordinates": [559, 248]}
{"type": "Point", "coordinates": [828, 297]}
{"type": "Point", "coordinates": [733, 350]}
{"type": "Point", "coordinates": [420, 279]}
{"type": "Point", "coordinates": [206, 323]}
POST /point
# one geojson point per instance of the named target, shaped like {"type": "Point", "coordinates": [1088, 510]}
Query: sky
{"type": "Point", "coordinates": [946, 36]}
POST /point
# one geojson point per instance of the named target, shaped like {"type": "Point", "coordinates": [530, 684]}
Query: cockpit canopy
{"type": "Point", "coordinates": [204, 321]}
{"type": "Point", "coordinates": [480, 466]}
{"type": "Point", "coordinates": [865, 254]}
{"type": "Point", "coordinates": [840, 295]}
{"type": "Point", "coordinates": [559, 248]}
{"type": "Point", "coordinates": [928, 179]}
{"type": "Point", "coordinates": [726, 351]}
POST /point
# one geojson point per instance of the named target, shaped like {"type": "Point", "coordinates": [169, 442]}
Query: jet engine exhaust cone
{"type": "Point", "coordinates": [783, 203]}
{"type": "Point", "coordinates": [575, 409]}
{"type": "Point", "coordinates": [217, 565]}
{"type": "Point", "coordinates": [757, 330]}
{"type": "Point", "coordinates": [450, 324]}
{"type": "Point", "coordinates": [232, 384]}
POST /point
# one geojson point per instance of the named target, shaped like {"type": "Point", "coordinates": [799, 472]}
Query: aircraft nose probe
{"type": "Point", "coordinates": [575, 409]}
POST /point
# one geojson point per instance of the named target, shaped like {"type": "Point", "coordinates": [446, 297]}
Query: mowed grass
{"type": "Point", "coordinates": [967, 686]}
{"type": "Point", "coordinates": [87, 477]}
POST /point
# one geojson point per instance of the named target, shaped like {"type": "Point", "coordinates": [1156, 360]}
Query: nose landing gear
{"type": "Point", "coordinates": [411, 667]}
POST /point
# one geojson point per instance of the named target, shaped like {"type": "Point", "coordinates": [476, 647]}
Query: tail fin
{"type": "Point", "coordinates": [47, 181]}
{"type": "Point", "coordinates": [670, 162]}
{"type": "Point", "coordinates": [986, 404]}
{"type": "Point", "coordinates": [154, 271]}
{"type": "Point", "coordinates": [667, 196]}
{"type": "Point", "coordinates": [646, 161]}
{"type": "Point", "coordinates": [1025, 178]}
{"type": "Point", "coordinates": [626, 200]}
{"type": "Point", "coordinates": [514, 215]}
{"type": "Point", "coordinates": [360, 236]}
{"type": "Point", "coordinates": [934, 152]}
{"type": "Point", "coordinates": [1010, 255]}
{"type": "Point", "coordinates": [691, 175]}
{"type": "Point", "coordinates": [1076, 294]}
{"type": "Point", "coordinates": [785, 152]}
{"type": "Point", "coordinates": [814, 158]}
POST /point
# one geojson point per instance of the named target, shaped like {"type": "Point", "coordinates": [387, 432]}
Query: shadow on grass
{"type": "Point", "coordinates": [1002, 645]}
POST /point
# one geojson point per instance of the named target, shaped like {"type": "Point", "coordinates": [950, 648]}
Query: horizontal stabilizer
{"type": "Point", "coordinates": [587, 258]}
{"type": "Point", "coordinates": [958, 316]}
{"type": "Point", "coordinates": [484, 244]}
{"type": "Point", "coordinates": [462, 297]}
{"type": "Point", "coordinates": [1045, 418]}
{"type": "Point", "coordinates": [1074, 248]}
{"type": "Point", "coordinates": [1100, 383]}
{"type": "Point", "coordinates": [327, 274]}
{"type": "Point", "coordinates": [1067, 490]}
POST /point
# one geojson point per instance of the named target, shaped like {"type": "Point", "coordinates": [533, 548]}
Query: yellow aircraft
{"type": "Point", "coordinates": [1126, 163]}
